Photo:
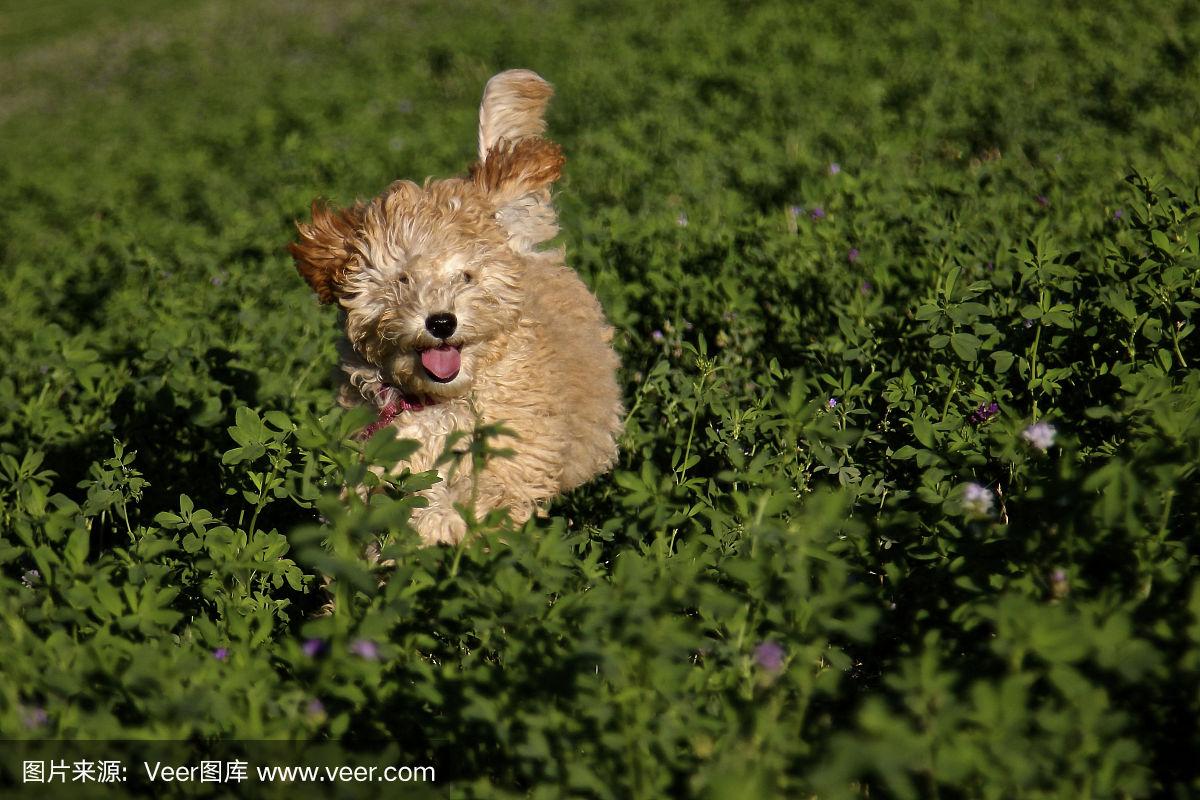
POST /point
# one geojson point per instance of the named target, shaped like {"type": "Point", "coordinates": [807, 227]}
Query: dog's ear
{"type": "Point", "coordinates": [324, 252]}
{"type": "Point", "coordinates": [516, 165]}
{"type": "Point", "coordinates": [513, 106]}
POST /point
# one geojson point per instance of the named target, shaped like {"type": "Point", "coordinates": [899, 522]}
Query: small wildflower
{"type": "Point", "coordinates": [315, 709]}
{"type": "Point", "coordinates": [1118, 214]}
{"type": "Point", "coordinates": [221, 653]}
{"type": "Point", "coordinates": [1060, 586]}
{"type": "Point", "coordinates": [682, 219]}
{"type": "Point", "coordinates": [984, 413]}
{"type": "Point", "coordinates": [33, 716]}
{"type": "Point", "coordinates": [977, 500]}
{"type": "Point", "coordinates": [835, 168]}
{"type": "Point", "coordinates": [657, 335]}
{"type": "Point", "coordinates": [31, 578]}
{"type": "Point", "coordinates": [1043, 201]}
{"type": "Point", "coordinates": [865, 288]}
{"type": "Point", "coordinates": [817, 213]}
{"type": "Point", "coordinates": [832, 403]}
{"type": "Point", "coordinates": [1028, 323]}
{"type": "Point", "coordinates": [365, 648]}
{"type": "Point", "coordinates": [989, 266]}
{"type": "Point", "coordinates": [769, 656]}
{"type": "Point", "coordinates": [852, 256]}
{"type": "Point", "coordinates": [1040, 435]}
{"type": "Point", "coordinates": [312, 647]}
{"type": "Point", "coordinates": [795, 211]}
{"type": "Point", "coordinates": [217, 280]}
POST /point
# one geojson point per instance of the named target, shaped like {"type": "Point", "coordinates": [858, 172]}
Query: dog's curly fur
{"type": "Point", "coordinates": [530, 349]}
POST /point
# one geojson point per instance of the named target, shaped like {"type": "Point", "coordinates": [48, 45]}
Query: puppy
{"type": "Point", "coordinates": [454, 319]}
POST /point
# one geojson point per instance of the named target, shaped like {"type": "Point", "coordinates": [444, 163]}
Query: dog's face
{"type": "Point", "coordinates": [429, 279]}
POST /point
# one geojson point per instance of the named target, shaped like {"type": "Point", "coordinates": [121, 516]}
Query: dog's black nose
{"type": "Point", "coordinates": [441, 325]}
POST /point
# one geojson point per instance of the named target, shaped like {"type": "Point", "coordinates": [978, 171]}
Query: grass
{"type": "Point", "coordinates": [830, 238]}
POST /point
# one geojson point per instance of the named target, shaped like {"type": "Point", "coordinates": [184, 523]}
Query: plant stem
{"type": "Point", "coordinates": [950, 394]}
{"type": "Point", "coordinates": [687, 450]}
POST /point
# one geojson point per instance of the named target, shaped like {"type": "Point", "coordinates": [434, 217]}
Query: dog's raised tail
{"type": "Point", "coordinates": [513, 106]}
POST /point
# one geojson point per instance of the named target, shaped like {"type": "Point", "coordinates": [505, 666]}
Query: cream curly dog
{"type": "Point", "coordinates": [454, 318]}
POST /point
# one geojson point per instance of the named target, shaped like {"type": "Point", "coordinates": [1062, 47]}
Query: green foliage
{"type": "Point", "coordinates": [830, 237]}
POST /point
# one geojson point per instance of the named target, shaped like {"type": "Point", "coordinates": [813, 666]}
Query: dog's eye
{"type": "Point", "coordinates": [402, 279]}
{"type": "Point", "coordinates": [468, 277]}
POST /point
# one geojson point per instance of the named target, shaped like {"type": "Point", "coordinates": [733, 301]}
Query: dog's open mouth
{"type": "Point", "coordinates": [442, 363]}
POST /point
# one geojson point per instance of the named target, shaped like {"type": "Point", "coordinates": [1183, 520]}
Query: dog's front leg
{"type": "Point", "coordinates": [439, 522]}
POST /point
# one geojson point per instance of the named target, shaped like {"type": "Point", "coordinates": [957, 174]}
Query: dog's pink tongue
{"type": "Point", "coordinates": [442, 362]}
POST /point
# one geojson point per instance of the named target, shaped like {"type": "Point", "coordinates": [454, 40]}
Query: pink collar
{"type": "Point", "coordinates": [396, 404]}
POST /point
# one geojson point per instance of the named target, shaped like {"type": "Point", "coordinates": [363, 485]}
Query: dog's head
{"type": "Point", "coordinates": [430, 277]}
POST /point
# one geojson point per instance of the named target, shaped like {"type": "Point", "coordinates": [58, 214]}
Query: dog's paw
{"type": "Point", "coordinates": [439, 526]}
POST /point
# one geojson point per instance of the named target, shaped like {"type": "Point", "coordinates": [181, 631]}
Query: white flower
{"type": "Point", "coordinates": [977, 500]}
{"type": "Point", "coordinates": [1040, 435]}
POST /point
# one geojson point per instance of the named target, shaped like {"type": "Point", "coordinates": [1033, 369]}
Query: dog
{"type": "Point", "coordinates": [454, 318]}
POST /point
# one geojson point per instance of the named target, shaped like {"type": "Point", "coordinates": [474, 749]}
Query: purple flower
{"type": "Point", "coordinates": [977, 500]}
{"type": "Point", "coordinates": [832, 403]}
{"type": "Point", "coordinates": [865, 288]}
{"type": "Point", "coordinates": [657, 335]}
{"type": "Point", "coordinates": [817, 213]}
{"type": "Point", "coordinates": [795, 211]}
{"type": "Point", "coordinates": [984, 413]}
{"type": "Point", "coordinates": [835, 168]}
{"type": "Point", "coordinates": [1040, 435]}
{"type": "Point", "coordinates": [312, 647]}
{"type": "Point", "coordinates": [221, 653]}
{"type": "Point", "coordinates": [33, 716]}
{"type": "Point", "coordinates": [852, 256]}
{"type": "Point", "coordinates": [1118, 214]}
{"type": "Point", "coordinates": [1043, 201]}
{"type": "Point", "coordinates": [769, 656]}
{"type": "Point", "coordinates": [365, 648]}
{"type": "Point", "coordinates": [1060, 586]}
{"type": "Point", "coordinates": [315, 708]}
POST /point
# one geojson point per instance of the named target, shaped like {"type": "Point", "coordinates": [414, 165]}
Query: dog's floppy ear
{"type": "Point", "coordinates": [513, 105]}
{"type": "Point", "coordinates": [325, 249]}
{"type": "Point", "coordinates": [516, 165]}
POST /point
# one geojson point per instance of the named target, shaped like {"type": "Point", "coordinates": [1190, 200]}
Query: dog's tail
{"type": "Point", "coordinates": [512, 108]}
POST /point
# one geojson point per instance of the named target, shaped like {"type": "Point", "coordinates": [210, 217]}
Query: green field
{"type": "Point", "coordinates": [906, 297]}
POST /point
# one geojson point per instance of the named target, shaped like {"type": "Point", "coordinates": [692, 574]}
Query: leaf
{"type": "Point", "coordinates": [965, 345]}
{"type": "Point", "coordinates": [1002, 360]}
{"type": "Point", "coordinates": [923, 430]}
{"type": "Point", "coordinates": [1160, 241]}
{"type": "Point", "coordinates": [77, 548]}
